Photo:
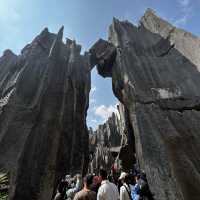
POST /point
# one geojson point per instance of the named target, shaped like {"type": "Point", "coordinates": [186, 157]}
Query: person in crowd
{"type": "Point", "coordinates": [110, 178]}
{"type": "Point", "coordinates": [62, 187]}
{"type": "Point", "coordinates": [144, 190]}
{"type": "Point", "coordinates": [72, 191]}
{"type": "Point", "coordinates": [119, 184]}
{"type": "Point", "coordinates": [96, 184]}
{"type": "Point", "coordinates": [107, 190]}
{"type": "Point", "coordinates": [86, 193]}
{"type": "Point", "coordinates": [136, 189]}
{"type": "Point", "coordinates": [68, 177]}
{"type": "Point", "coordinates": [126, 188]}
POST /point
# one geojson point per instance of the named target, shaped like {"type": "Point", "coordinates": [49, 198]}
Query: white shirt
{"type": "Point", "coordinates": [124, 193]}
{"type": "Point", "coordinates": [107, 191]}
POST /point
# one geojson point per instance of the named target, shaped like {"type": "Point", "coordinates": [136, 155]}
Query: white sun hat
{"type": "Point", "coordinates": [123, 175]}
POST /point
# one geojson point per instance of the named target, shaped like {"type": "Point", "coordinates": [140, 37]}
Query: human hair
{"type": "Point", "coordinates": [103, 174]}
{"type": "Point", "coordinates": [88, 180]}
{"type": "Point", "coordinates": [138, 176]}
{"type": "Point", "coordinates": [127, 179]}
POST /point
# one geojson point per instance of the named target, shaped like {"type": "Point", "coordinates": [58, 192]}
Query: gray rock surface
{"type": "Point", "coordinates": [156, 76]}
{"type": "Point", "coordinates": [112, 142]}
{"type": "Point", "coordinates": [44, 99]}
{"type": "Point", "coordinates": [186, 43]}
{"type": "Point", "coordinates": [101, 142]}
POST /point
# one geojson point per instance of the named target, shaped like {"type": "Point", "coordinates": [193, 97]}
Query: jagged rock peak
{"type": "Point", "coordinates": [8, 53]}
{"type": "Point", "coordinates": [154, 23]}
{"type": "Point", "coordinates": [44, 31]}
{"type": "Point", "coordinates": [182, 40]}
{"type": "Point", "coordinates": [68, 42]}
{"type": "Point", "coordinates": [55, 49]}
{"type": "Point", "coordinates": [47, 98]}
{"type": "Point", "coordinates": [44, 34]}
{"type": "Point", "coordinates": [60, 33]}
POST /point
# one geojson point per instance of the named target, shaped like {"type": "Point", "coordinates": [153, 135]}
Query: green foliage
{"type": "Point", "coordinates": [3, 195]}
{"type": "Point", "coordinates": [4, 183]}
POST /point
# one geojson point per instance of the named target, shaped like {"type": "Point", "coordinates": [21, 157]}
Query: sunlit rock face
{"type": "Point", "coordinates": [155, 74]}
{"type": "Point", "coordinates": [186, 43]}
{"type": "Point", "coordinates": [101, 141]}
{"type": "Point", "coordinates": [44, 99]}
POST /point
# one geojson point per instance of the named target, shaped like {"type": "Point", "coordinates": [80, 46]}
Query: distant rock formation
{"type": "Point", "coordinates": [112, 143]}
{"type": "Point", "coordinates": [44, 99]}
{"type": "Point", "coordinates": [155, 74]}
{"type": "Point", "coordinates": [101, 141]}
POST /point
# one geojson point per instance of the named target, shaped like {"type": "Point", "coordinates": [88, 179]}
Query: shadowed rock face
{"type": "Point", "coordinates": [158, 82]}
{"type": "Point", "coordinates": [44, 99]}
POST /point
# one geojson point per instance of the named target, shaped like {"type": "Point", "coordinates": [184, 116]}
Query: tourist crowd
{"type": "Point", "coordinates": [128, 186]}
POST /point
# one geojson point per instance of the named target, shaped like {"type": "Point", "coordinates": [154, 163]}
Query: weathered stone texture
{"type": "Point", "coordinates": [156, 76]}
{"type": "Point", "coordinates": [183, 41]}
{"type": "Point", "coordinates": [101, 142]}
{"type": "Point", "coordinates": [112, 142]}
{"type": "Point", "coordinates": [44, 99]}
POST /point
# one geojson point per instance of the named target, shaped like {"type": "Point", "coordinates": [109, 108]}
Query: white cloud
{"type": "Point", "coordinates": [105, 112]}
{"type": "Point", "coordinates": [181, 21]}
{"type": "Point", "coordinates": [94, 121]}
{"type": "Point", "coordinates": [186, 11]}
{"type": "Point", "coordinates": [184, 3]}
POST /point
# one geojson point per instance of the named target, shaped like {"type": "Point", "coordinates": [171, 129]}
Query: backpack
{"type": "Point", "coordinates": [135, 191]}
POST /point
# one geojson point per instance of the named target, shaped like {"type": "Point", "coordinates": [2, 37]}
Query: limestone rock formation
{"type": "Point", "coordinates": [111, 143]}
{"type": "Point", "coordinates": [186, 43]}
{"type": "Point", "coordinates": [44, 99]}
{"type": "Point", "coordinates": [155, 74]}
{"type": "Point", "coordinates": [106, 137]}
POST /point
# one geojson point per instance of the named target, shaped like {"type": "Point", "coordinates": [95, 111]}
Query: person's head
{"type": "Point", "coordinates": [127, 179]}
{"type": "Point", "coordinates": [137, 177]}
{"type": "Point", "coordinates": [132, 179]}
{"type": "Point", "coordinates": [95, 180]}
{"type": "Point", "coordinates": [78, 177]}
{"type": "Point", "coordinates": [67, 177]}
{"type": "Point", "coordinates": [88, 181]}
{"type": "Point", "coordinates": [110, 178]}
{"type": "Point", "coordinates": [123, 176]}
{"type": "Point", "coordinates": [103, 174]}
{"type": "Point", "coordinates": [143, 176]}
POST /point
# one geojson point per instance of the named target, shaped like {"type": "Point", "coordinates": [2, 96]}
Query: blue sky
{"type": "Point", "coordinates": [86, 21]}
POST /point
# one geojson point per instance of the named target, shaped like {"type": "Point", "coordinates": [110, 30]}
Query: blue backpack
{"type": "Point", "coordinates": [135, 190]}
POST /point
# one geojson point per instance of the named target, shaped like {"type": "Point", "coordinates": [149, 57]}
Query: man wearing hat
{"type": "Point", "coordinates": [125, 189]}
